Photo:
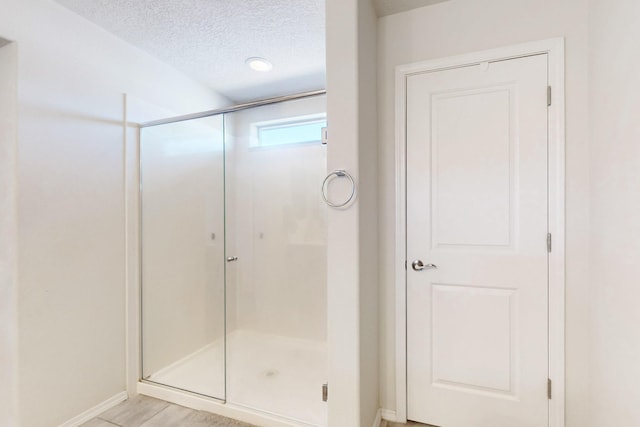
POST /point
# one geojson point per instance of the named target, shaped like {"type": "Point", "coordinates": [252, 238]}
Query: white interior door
{"type": "Point", "coordinates": [477, 347]}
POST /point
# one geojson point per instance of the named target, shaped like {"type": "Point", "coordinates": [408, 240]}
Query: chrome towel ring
{"type": "Point", "coordinates": [339, 173]}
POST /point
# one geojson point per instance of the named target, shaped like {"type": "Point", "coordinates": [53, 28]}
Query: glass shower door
{"type": "Point", "coordinates": [183, 255]}
{"type": "Point", "coordinates": [276, 289]}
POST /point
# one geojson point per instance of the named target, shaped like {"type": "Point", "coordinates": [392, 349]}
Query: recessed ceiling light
{"type": "Point", "coordinates": [259, 64]}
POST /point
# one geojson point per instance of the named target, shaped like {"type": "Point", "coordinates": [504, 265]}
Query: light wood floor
{"type": "Point", "coordinates": [143, 411]}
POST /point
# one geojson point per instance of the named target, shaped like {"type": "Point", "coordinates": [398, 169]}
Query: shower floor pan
{"type": "Point", "coordinates": [270, 373]}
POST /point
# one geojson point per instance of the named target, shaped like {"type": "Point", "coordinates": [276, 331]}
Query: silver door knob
{"type": "Point", "coordinates": [232, 258]}
{"type": "Point", "coordinates": [418, 265]}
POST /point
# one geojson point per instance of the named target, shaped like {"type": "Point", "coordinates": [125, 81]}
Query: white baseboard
{"type": "Point", "coordinates": [96, 410]}
{"type": "Point", "coordinates": [389, 415]}
{"type": "Point", "coordinates": [378, 420]}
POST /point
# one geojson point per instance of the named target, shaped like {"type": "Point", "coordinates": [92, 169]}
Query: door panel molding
{"type": "Point", "coordinates": [554, 48]}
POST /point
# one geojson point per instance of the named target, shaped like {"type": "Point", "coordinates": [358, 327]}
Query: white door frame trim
{"type": "Point", "coordinates": [554, 48]}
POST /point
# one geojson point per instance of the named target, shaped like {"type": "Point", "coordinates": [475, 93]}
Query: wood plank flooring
{"type": "Point", "coordinates": [143, 411]}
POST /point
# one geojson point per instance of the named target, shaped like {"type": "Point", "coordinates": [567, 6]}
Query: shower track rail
{"type": "Point", "coordinates": [238, 107]}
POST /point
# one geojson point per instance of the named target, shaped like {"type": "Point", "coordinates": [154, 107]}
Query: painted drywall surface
{"type": "Point", "coordinates": [457, 27]}
{"type": "Point", "coordinates": [343, 278]}
{"type": "Point", "coordinates": [389, 7]}
{"type": "Point", "coordinates": [70, 202]}
{"type": "Point", "coordinates": [8, 222]}
{"type": "Point", "coordinates": [368, 216]}
{"type": "Point", "coordinates": [278, 227]}
{"type": "Point", "coordinates": [352, 289]}
{"type": "Point", "coordinates": [615, 230]}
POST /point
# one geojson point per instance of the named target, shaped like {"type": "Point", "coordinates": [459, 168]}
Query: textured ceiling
{"type": "Point", "coordinates": [211, 39]}
{"type": "Point", "coordinates": [389, 7]}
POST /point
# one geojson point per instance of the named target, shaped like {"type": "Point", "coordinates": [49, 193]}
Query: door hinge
{"type": "Point", "coordinates": [548, 388]}
{"type": "Point", "coordinates": [548, 96]}
{"type": "Point", "coordinates": [325, 135]}
{"type": "Point", "coordinates": [549, 242]}
{"type": "Point", "coordinates": [325, 392]}
{"type": "Point", "coordinates": [405, 264]}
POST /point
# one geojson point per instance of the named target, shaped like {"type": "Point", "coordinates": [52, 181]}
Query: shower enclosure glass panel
{"type": "Point", "coordinates": [276, 290]}
{"type": "Point", "coordinates": [234, 250]}
{"type": "Point", "coordinates": [182, 260]}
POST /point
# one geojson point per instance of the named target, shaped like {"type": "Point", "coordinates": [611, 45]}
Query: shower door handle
{"type": "Point", "coordinates": [232, 258]}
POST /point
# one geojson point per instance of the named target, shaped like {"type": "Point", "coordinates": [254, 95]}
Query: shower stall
{"type": "Point", "coordinates": [233, 256]}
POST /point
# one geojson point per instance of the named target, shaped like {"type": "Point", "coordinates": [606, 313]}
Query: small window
{"type": "Point", "coordinates": [297, 130]}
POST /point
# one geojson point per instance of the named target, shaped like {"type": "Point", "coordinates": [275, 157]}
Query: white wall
{"type": "Point", "coordinates": [352, 256]}
{"type": "Point", "coordinates": [70, 240]}
{"type": "Point", "coordinates": [614, 265]}
{"type": "Point", "coordinates": [71, 265]}
{"type": "Point", "coordinates": [456, 27]}
{"type": "Point", "coordinates": [8, 235]}
{"type": "Point", "coordinates": [369, 215]}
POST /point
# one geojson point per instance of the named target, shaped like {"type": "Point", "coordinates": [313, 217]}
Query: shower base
{"type": "Point", "coordinates": [269, 373]}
